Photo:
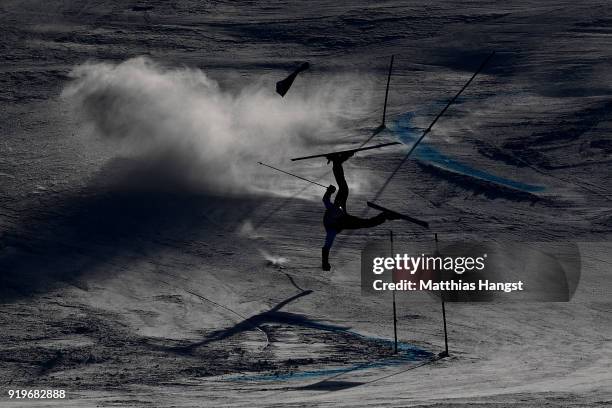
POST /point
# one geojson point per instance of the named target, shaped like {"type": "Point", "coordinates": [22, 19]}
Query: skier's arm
{"type": "Point", "coordinates": [327, 197]}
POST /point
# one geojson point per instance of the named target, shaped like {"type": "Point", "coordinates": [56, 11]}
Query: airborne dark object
{"type": "Point", "coordinates": [329, 156]}
{"type": "Point", "coordinates": [282, 87]}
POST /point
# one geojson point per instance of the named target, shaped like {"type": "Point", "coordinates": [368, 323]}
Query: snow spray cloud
{"type": "Point", "coordinates": [248, 230]}
{"type": "Point", "coordinates": [188, 132]}
{"type": "Point", "coordinates": [273, 260]}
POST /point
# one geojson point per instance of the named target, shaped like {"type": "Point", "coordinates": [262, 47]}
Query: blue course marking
{"type": "Point", "coordinates": [406, 353]}
{"type": "Point", "coordinates": [408, 134]}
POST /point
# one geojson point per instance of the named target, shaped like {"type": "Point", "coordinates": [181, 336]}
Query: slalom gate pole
{"type": "Point", "coordinates": [293, 175]}
{"type": "Point", "coordinates": [394, 307]}
{"type": "Point", "coordinates": [449, 103]}
{"type": "Point", "coordinates": [426, 131]}
{"type": "Point", "coordinates": [387, 90]}
{"type": "Point", "coordinates": [445, 335]}
{"type": "Point", "coordinates": [445, 353]}
{"type": "Point", "coordinates": [382, 126]}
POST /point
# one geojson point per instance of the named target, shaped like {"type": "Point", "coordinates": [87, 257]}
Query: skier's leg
{"type": "Point", "coordinates": [352, 222]}
{"type": "Point", "coordinates": [343, 190]}
{"type": "Point", "coordinates": [329, 240]}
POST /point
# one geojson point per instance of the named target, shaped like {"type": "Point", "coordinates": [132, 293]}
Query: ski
{"type": "Point", "coordinates": [378, 146]}
{"type": "Point", "coordinates": [401, 216]}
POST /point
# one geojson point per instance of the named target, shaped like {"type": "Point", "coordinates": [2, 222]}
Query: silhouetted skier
{"type": "Point", "coordinates": [336, 217]}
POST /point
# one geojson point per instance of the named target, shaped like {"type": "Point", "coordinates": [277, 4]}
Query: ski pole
{"type": "Point", "coordinates": [291, 174]}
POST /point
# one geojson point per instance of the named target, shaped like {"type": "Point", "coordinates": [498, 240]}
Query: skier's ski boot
{"type": "Point", "coordinates": [339, 158]}
{"type": "Point", "coordinates": [325, 259]}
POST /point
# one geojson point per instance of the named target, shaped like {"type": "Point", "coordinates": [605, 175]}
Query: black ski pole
{"type": "Point", "coordinates": [445, 352]}
{"type": "Point", "coordinates": [291, 174]}
{"type": "Point", "coordinates": [387, 91]}
{"type": "Point", "coordinates": [394, 306]}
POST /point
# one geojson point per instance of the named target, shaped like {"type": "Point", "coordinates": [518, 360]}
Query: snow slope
{"type": "Point", "coordinates": [168, 296]}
